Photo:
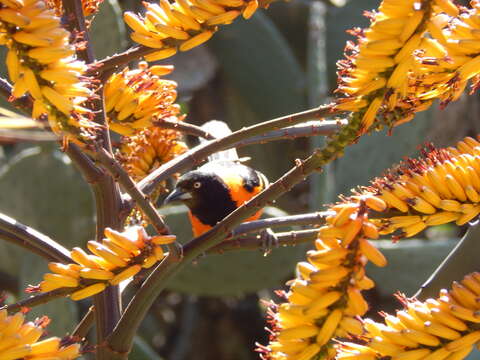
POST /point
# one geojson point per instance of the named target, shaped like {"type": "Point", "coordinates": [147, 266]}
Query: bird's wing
{"type": "Point", "coordinates": [220, 129]}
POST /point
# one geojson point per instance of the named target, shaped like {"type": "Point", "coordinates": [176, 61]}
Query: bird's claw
{"type": "Point", "coordinates": [268, 240]}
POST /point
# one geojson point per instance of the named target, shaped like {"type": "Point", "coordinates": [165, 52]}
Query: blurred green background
{"type": "Point", "coordinates": [279, 62]}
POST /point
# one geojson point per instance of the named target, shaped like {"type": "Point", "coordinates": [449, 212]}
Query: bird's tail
{"type": "Point", "coordinates": [220, 129]}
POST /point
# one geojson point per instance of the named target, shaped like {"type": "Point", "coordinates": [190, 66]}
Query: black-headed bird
{"type": "Point", "coordinates": [218, 187]}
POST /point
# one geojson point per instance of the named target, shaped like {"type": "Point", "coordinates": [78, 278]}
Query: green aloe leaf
{"type": "Point", "coordinates": [42, 190]}
{"type": "Point", "coordinates": [108, 30]}
{"type": "Point", "coordinates": [257, 60]}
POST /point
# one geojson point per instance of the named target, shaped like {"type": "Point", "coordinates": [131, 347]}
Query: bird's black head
{"type": "Point", "coordinates": [206, 195]}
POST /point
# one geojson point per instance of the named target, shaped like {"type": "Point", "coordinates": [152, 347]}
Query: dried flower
{"type": "Point", "coordinates": [90, 7]}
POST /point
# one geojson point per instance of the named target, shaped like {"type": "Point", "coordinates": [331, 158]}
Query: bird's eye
{"type": "Point", "coordinates": [197, 184]}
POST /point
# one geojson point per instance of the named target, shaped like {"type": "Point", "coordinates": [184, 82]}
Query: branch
{"type": "Point", "coordinates": [74, 21]}
{"type": "Point", "coordinates": [463, 259]}
{"type": "Point", "coordinates": [39, 299]}
{"type": "Point", "coordinates": [84, 326]}
{"type": "Point", "coordinates": [92, 174]}
{"type": "Point", "coordinates": [312, 128]}
{"type": "Point", "coordinates": [114, 62]}
{"type": "Point", "coordinates": [183, 127]}
{"type": "Point", "coordinates": [23, 103]}
{"type": "Point", "coordinates": [290, 238]}
{"type": "Point", "coordinates": [128, 185]}
{"type": "Point", "coordinates": [33, 239]}
{"type": "Point", "coordinates": [120, 340]}
{"type": "Point", "coordinates": [26, 135]}
{"type": "Point", "coordinates": [199, 153]}
{"type": "Point", "coordinates": [315, 218]}
{"type": "Point", "coordinates": [15, 240]}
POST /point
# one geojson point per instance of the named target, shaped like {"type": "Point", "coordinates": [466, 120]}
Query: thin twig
{"type": "Point", "coordinates": [313, 128]}
{"type": "Point", "coordinates": [315, 218]}
{"type": "Point", "coordinates": [39, 299]}
{"type": "Point", "coordinates": [117, 61]}
{"type": "Point", "coordinates": [35, 239]}
{"type": "Point", "coordinates": [255, 242]}
{"type": "Point", "coordinates": [26, 136]}
{"type": "Point", "coordinates": [129, 186]}
{"type": "Point", "coordinates": [196, 155]}
{"type": "Point", "coordinates": [75, 23]}
{"type": "Point", "coordinates": [183, 127]}
{"type": "Point", "coordinates": [84, 326]}
{"type": "Point", "coordinates": [15, 240]}
{"type": "Point", "coordinates": [462, 260]}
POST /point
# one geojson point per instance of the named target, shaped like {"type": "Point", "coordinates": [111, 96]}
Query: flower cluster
{"type": "Point", "coordinates": [441, 188]}
{"type": "Point", "coordinates": [183, 24]}
{"type": "Point", "coordinates": [145, 151]}
{"type": "Point", "coordinates": [413, 52]}
{"type": "Point", "coordinates": [120, 256]}
{"type": "Point", "coordinates": [448, 60]}
{"type": "Point", "coordinates": [325, 298]}
{"type": "Point", "coordinates": [374, 76]}
{"type": "Point", "coordinates": [135, 98]}
{"type": "Point", "coordinates": [20, 340]}
{"type": "Point", "coordinates": [89, 7]}
{"type": "Point", "coordinates": [41, 62]}
{"type": "Point", "coordinates": [436, 329]}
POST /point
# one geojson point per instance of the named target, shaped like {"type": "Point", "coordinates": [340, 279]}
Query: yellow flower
{"type": "Point", "coordinates": [40, 62]}
{"type": "Point", "coordinates": [120, 256]}
{"type": "Point", "coordinates": [183, 24]}
{"type": "Point", "coordinates": [325, 298]}
{"type": "Point", "coordinates": [148, 149]}
{"type": "Point", "coordinates": [20, 339]}
{"type": "Point", "coordinates": [376, 76]}
{"type": "Point", "coordinates": [134, 99]}
{"type": "Point", "coordinates": [441, 328]}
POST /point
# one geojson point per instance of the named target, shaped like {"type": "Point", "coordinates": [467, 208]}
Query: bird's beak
{"type": "Point", "coordinates": [178, 195]}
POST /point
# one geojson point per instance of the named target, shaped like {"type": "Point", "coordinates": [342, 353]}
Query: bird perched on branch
{"type": "Point", "coordinates": [217, 188]}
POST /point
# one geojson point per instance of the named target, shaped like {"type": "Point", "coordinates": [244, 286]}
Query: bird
{"type": "Point", "coordinates": [218, 187]}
